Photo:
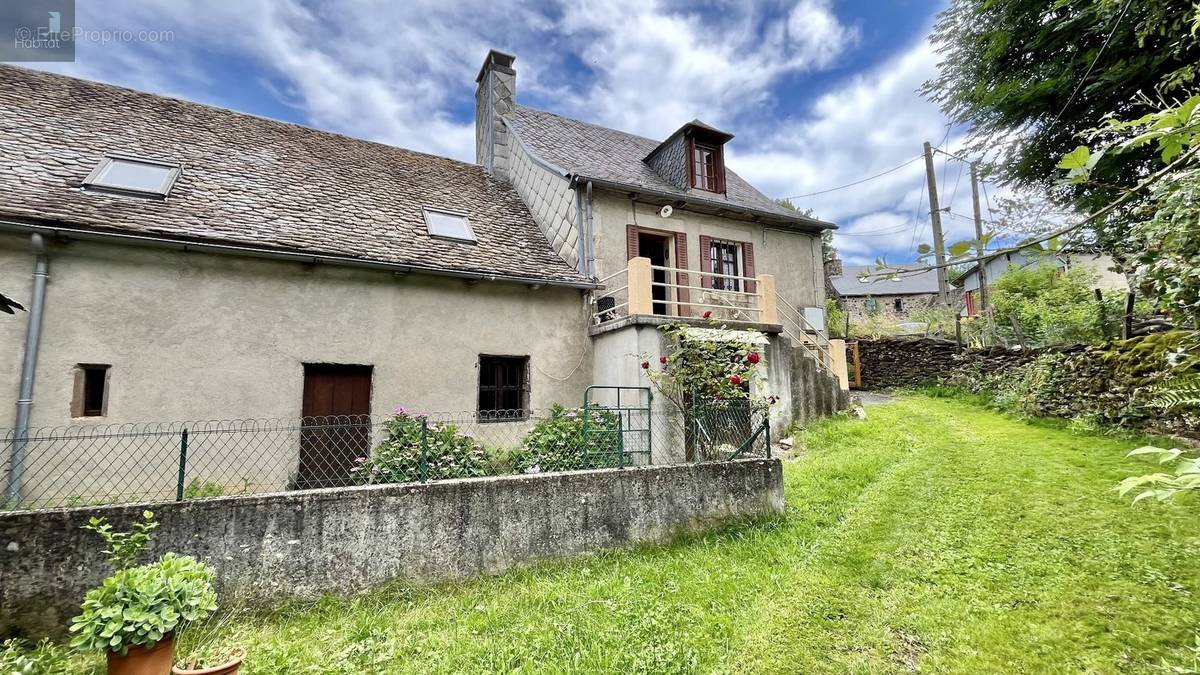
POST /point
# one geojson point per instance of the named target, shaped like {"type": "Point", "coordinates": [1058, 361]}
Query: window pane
{"type": "Point", "coordinates": [448, 225]}
{"type": "Point", "coordinates": [127, 174]}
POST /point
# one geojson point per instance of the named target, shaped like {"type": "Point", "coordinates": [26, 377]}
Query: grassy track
{"type": "Point", "coordinates": [935, 536]}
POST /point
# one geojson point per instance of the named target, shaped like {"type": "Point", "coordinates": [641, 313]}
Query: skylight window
{"type": "Point", "coordinates": [137, 177]}
{"type": "Point", "coordinates": [448, 225]}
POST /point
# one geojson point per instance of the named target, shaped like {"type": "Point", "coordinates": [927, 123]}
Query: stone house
{"type": "Point", "coordinates": [891, 301]}
{"type": "Point", "coordinates": [181, 261]}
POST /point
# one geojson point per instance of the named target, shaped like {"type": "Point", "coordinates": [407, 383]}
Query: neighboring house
{"type": "Point", "coordinates": [892, 301]}
{"type": "Point", "coordinates": [208, 264]}
{"type": "Point", "coordinates": [1101, 266]}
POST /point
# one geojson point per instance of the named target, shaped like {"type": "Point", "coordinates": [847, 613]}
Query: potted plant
{"type": "Point", "coordinates": [211, 659]}
{"type": "Point", "coordinates": [133, 615]}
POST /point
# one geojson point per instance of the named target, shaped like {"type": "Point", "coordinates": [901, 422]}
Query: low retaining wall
{"type": "Point", "coordinates": [909, 362]}
{"type": "Point", "coordinates": [302, 544]}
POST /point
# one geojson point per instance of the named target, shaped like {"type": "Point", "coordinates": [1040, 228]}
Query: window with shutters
{"type": "Point", "coordinates": [503, 388]}
{"type": "Point", "coordinates": [726, 258]}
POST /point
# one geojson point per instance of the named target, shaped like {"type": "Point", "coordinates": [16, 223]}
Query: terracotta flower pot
{"type": "Point", "coordinates": [230, 667]}
{"type": "Point", "coordinates": [153, 660]}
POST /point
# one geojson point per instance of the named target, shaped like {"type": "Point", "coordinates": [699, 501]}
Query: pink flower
{"type": "Point", "coordinates": [662, 360]}
{"type": "Point", "coordinates": [360, 460]}
{"type": "Point", "coordinates": [735, 380]}
{"type": "Point", "coordinates": [707, 313]}
{"type": "Point", "coordinates": [753, 357]}
{"type": "Point", "coordinates": [401, 410]}
{"type": "Point", "coordinates": [645, 365]}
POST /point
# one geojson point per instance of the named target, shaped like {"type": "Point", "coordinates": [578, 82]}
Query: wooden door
{"type": "Point", "coordinates": [337, 425]}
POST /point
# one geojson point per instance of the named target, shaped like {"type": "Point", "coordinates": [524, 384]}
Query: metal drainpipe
{"type": "Point", "coordinates": [33, 337]}
{"type": "Point", "coordinates": [591, 244]}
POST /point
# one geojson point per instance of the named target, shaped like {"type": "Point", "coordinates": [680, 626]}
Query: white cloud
{"type": "Point", "coordinates": [656, 68]}
{"type": "Point", "coordinates": [869, 124]}
{"type": "Point", "coordinates": [399, 72]}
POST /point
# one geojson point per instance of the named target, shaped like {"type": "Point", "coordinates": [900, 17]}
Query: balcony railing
{"type": "Point", "coordinates": [643, 289]}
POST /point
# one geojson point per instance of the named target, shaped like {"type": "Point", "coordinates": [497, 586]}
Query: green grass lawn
{"type": "Point", "coordinates": [935, 536]}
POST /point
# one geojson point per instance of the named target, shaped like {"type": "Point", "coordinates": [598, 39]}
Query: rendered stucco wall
{"type": "Point", "coordinates": [304, 544]}
{"type": "Point", "coordinates": [549, 198]}
{"type": "Point", "coordinates": [793, 257]}
{"type": "Point", "coordinates": [202, 336]}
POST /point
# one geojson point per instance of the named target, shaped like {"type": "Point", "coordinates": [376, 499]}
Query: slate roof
{"type": "Point", "coordinates": [599, 153]}
{"type": "Point", "coordinates": [849, 285]}
{"type": "Point", "coordinates": [253, 182]}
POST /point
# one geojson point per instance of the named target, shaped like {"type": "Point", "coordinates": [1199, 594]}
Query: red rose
{"type": "Point", "coordinates": [645, 365]}
{"type": "Point", "coordinates": [752, 357]}
{"type": "Point", "coordinates": [707, 313]}
{"type": "Point", "coordinates": [735, 380]}
{"type": "Point", "coordinates": [662, 360]}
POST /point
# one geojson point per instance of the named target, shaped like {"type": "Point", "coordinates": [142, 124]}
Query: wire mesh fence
{"type": "Point", "coordinates": [91, 465]}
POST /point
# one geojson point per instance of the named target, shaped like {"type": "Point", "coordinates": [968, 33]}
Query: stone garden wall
{"type": "Point", "coordinates": [909, 362]}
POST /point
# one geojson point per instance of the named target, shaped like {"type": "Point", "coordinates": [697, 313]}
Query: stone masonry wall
{"type": "Point", "coordinates": [909, 362]}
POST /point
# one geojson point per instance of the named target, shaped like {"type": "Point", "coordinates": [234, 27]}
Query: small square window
{"type": "Point", "coordinates": [136, 177]}
{"type": "Point", "coordinates": [448, 225]}
{"type": "Point", "coordinates": [503, 388]}
{"type": "Point", "coordinates": [91, 390]}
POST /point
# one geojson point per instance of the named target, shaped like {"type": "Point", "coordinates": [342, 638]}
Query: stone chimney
{"type": "Point", "coordinates": [833, 268]}
{"type": "Point", "coordinates": [495, 91]}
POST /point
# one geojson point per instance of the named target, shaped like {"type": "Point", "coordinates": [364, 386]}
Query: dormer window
{"type": "Point", "coordinates": [705, 162]}
{"type": "Point", "coordinates": [707, 166]}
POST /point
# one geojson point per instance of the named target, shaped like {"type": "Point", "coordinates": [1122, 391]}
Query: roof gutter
{"type": "Point", "coordinates": [801, 222]}
{"type": "Point", "coordinates": [272, 254]}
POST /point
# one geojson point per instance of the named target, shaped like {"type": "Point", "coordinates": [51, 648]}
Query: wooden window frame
{"type": "Point", "coordinates": [85, 381]}
{"type": "Point", "coordinates": [718, 155]}
{"type": "Point", "coordinates": [523, 390]}
{"type": "Point", "coordinates": [744, 264]}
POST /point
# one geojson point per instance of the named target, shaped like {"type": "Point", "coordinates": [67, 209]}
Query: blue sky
{"type": "Point", "coordinates": [818, 92]}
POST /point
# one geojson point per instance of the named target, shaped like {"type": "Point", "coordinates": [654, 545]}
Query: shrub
{"type": "Point", "coordinates": [140, 605]}
{"type": "Point", "coordinates": [559, 442]}
{"type": "Point", "coordinates": [451, 453]}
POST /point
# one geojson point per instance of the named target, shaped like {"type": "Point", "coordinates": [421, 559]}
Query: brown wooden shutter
{"type": "Point", "coordinates": [681, 261]}
{"type": "Point", "coordinates": [631, 241]}
{"type": "Point", "coordinates": [705, 261]}
{"type": "Point", "coordinates": [748, 265]}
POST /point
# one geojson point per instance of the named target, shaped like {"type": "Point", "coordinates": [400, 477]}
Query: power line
{"type": "Point", "coordinates": [1095, 60]}
{"type": "Point", "coordinates": [876, 233]}
{"type": "Point", "coordinates": [857, 182]}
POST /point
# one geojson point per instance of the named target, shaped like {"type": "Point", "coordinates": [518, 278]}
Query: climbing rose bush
{"type": "Point", "coordinates": [568, 440]}
{"type": "Point", "coordinates": [705, 368]}
{"type": "Point", "coordinates": [451, 454]}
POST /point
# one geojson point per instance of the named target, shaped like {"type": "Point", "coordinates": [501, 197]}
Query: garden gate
{"type": "Point", "coordinates": [631, 406]}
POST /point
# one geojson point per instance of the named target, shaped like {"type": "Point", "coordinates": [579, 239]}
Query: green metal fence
{"type": "Point", "coordinates": [101, 464]}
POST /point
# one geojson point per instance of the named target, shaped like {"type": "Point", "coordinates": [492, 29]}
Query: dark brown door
{"type": "Point", "coordinates": [336, 427]}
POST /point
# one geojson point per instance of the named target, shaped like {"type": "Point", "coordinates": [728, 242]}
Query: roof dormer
{"type": "Point", "coordinates": [692, 157]}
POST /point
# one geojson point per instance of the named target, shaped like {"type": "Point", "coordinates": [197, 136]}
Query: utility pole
{"type": "Point", "coordinates": [983, 289]}
{"type": "Point", "coordinates": [935, 215]}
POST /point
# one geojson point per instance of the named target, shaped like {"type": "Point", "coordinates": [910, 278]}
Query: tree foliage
{"type": "Point", "coordinates": [1030, 76]}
